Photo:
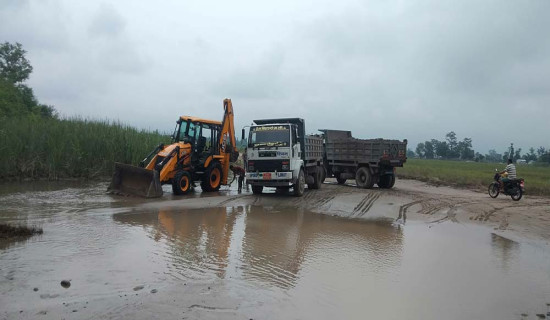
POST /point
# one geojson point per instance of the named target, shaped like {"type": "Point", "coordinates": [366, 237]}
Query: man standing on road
{"type": "Point", "coordinates": [510, 170]}
{"type": "Point", "coordinates": [240, 172]}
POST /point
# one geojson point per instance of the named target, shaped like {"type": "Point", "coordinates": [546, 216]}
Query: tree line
{"type": "Point", "coordinates": [451, 148]}
{"type": "Point", "coordinates": [16, 97]}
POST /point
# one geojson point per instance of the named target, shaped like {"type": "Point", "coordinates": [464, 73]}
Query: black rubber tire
{"type": "Point", "coordinates": [340, 180]}
{"type": "Point", "coordinates": [363, 178]}
{"type": "Point", "coordinates": [517, 196]}
{"type": "Point", "coordinates": [323, 174]}
{"type": "Point", "coordinates": [386, 181]}
{"type": "Point", "coordinates": [182, 183]}
{"type": "Point", "coordinates": [494, 190]}
{"type": "Point", "coordinates": [317, 175]}
{"type": "Point", "coordinates": [300, 185]}
{"type": "Point", "coordinates": [392, 181]}
{"type": "Point", "coordinates": [212, 179]}
{"type": "Point", "coordinates": [257, 189]}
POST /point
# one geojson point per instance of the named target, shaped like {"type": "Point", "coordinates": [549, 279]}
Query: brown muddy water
{"type": "Point", "coordinates": [141, 259]}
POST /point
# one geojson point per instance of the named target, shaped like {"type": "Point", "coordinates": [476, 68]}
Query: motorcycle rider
{"type": "Point", "coordinates": [510, 170]}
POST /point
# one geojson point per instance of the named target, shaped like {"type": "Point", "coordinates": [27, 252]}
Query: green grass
{"type": "Point", "coordinates": [69, 148]}
{"type": "Point", "coordinates": [473, 174]}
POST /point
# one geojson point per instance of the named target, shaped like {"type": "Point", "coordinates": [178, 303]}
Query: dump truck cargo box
{"type": "Point", "coordinates": [342, 148]}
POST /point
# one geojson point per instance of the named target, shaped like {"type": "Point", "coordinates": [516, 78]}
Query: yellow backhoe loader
{"type": "Point", "coordinates": [201, 150]}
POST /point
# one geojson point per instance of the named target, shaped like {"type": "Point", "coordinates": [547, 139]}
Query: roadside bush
{"type": "Point", "coordinates": [53, 149]}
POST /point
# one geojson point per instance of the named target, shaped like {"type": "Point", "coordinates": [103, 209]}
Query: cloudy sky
{"type": "Point", "coordinates": [391, 69]}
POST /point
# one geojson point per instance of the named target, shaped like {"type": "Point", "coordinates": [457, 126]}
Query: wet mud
{"type": "Point", "coordinates": [414, 252]}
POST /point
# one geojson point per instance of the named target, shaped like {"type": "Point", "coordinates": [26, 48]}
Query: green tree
{"type": "Point", "coordinates": [441, 148]}
{"type": "Point", "coordinates": [452, 143]}
{"type": "Point", "coordinates": [16, 98]}
{"type": "Point", "coordinates": [493, 156]}
{"type": "Point", "coordinates": [517, 155]}
{"type": "Point", "coordinates": [14, 67]}
{"type": "Point", "coordinates": [428, 150]}
{"type": "Point", "coordinates": [531, 156]}
{"type": "Point", "coordinates": [410, 153]}
{"type": "Point", "coordinates": [420, 150]}
{"type": "Point", "coordinates": [541, 151]}
{"type": "Point", "coordinates": [11, 101]}
{"type": "Point", "coordinates": [479, 157]}
{"type": "Point", "coordinates": [465, 150]}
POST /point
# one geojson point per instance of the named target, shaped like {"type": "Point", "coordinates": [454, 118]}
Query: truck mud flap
{"type": "Point", "coordinates": [136, 181]}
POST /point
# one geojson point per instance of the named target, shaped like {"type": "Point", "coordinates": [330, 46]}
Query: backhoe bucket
{"type": "Point", "coordinates": [132, 180]}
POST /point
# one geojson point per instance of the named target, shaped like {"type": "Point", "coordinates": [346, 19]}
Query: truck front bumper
{"type": "Point", "coordinates": [269, 179]}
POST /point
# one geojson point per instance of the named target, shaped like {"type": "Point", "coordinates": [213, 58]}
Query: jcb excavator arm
{"type": "Point", "coordinates": [228, 143]}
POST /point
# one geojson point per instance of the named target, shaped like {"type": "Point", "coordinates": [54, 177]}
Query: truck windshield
{"type": "Point", "coordinates": [269, 136]}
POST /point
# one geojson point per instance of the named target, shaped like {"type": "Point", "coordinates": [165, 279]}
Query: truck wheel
{"type": "Point", "coordinates": [181, 184]}
{"type": "Point", "coordinates": [257, 189]}
{"type": "Point", "coordinates": [392, 182]}
{"type": "Point", "coordinates": [340, 180]}
{"type": "Point", "coordinates": [385, 181]}
{"type": "Point", "coordinates": [323, 174]}
{"type": "Point", "coordinates": [316, 179]}
{"type": "Point", "coordinates": [212, 179]}
{"type": "Point", "coordinates": [363, 178]}
{"type": "Point", "coordinates": [300, 184]}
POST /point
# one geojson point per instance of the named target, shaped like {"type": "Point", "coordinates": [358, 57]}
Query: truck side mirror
{"type": "Point", "coordinates": [242, 136]}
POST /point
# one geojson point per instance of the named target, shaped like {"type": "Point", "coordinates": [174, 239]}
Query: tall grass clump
{"type": "Point", "coordinates": [473, 174]}
{"type": "Point", "coordinates": [69, 148]}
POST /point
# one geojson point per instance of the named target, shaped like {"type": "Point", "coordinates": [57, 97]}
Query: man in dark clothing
{"type": "Point", "coordinates": [240, 172]}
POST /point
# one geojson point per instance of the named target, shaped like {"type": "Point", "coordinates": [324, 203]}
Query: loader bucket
{"type": "Point", "coordinates": [131, 180]}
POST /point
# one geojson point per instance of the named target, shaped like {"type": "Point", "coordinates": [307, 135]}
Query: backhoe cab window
{"type": "Point", "coordinates": [269, 136]}
{"type": "Point", "coordinates": [187, 131]}
{"type": "Point", "coordinates": [206, 136]}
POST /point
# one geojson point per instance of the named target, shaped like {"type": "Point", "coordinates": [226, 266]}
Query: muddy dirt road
{"type": "Point", "coordinates": [415, 252]}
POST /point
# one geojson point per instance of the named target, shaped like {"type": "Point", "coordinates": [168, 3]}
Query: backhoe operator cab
{"type": "Point", "coordinates": [201, 135]}
{"type": "Point", "coordinates": [201, 150]}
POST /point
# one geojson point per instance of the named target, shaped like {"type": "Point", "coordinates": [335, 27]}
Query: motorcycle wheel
{"type": "Point", "coordinates": [516, 196]}
{"type": "Point", "coordinates": [494, 190]}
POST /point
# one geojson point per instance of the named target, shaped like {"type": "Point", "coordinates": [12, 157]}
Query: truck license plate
{"type": "Point", "coordinates": [267, 176]}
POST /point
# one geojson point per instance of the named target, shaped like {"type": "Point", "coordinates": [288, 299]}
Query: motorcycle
{"type": "Point", "coordinates": [513, 188]}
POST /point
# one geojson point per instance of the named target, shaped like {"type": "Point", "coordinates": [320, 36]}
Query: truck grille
{"type": "Point", "coordinates": [267, 165]}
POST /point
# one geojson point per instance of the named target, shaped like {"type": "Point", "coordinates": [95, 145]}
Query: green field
{"type": "Point", "coordinates": [71, 148]}
{"type": "Point", "coordinates": [473, 174]}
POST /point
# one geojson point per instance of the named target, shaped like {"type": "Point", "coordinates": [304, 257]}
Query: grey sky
{"type": "Point", "coordinates": [392, 69]}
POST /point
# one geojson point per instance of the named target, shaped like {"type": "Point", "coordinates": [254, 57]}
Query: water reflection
{"type": "Point", "coordinates": [265, 245]}
{"type": "Point", "coordinates": [504, 249]}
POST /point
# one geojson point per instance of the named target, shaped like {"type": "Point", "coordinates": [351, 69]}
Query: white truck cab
{"type": "Point", "coordinates": [276, 156]}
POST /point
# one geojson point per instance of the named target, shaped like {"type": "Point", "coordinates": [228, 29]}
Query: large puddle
{"type": "Point", "coordinates": [255, 262]}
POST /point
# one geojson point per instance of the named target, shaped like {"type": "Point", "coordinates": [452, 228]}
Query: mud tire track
{"type": "Point", "coordinates": [324, 201]}
{"type": "Point", "coordinates": [404, 208]}
{"type": "Point", "coordinates": [364, 206]}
